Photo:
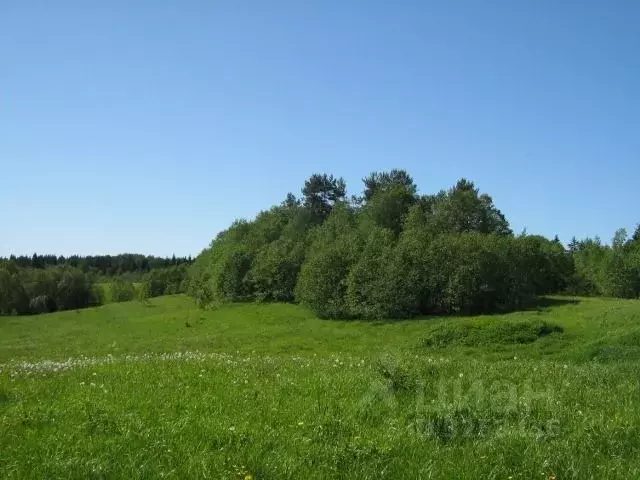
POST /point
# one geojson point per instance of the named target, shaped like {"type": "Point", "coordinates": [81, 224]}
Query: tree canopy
{"type": "Point", "coordinates": [388, 253]}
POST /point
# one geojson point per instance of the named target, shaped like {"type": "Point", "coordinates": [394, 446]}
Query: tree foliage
{"type": "Point", "coordinates": [40, 290]}
{"type": "Point", "coordinates": [608, 270]}
{"type": "Point", "coordinates": [396, 179]}
{"type": "Point", "coordinates": [321, 192]}
{"type": "Point", "coordinates": [392, 253]}
{"type": "Point", "coordinates": [122, 291]}
{"type": "Point", "coordinates": [101, 265]}
{"type": "Point", "coordinates": [164, 281]}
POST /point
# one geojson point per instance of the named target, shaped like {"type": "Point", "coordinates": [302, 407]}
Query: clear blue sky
{"type": "Point", "coordinates": [147, 126]}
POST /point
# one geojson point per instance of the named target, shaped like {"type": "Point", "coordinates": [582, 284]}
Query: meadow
{"type": "Point", "coordinates": [162, 389]}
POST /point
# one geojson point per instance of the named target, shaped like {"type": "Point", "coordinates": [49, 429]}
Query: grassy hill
{"type": "Point", "coordinates": [269, 391]}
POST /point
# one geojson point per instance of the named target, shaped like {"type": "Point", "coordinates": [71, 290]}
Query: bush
{"type": "Point", "coordinates": [494, 332]}
{"type": "Point", "coordinates": [165, 281]}
{"type": "Point", "coordinates": [40, 290]}
{"type": "Point", "coordinates": [274, 272]}
{"type": "Point", "coordinates": [42, 304]}
{"type": "Point", "coordinates": [233, 283]}
{"type": "Point", "coordinates": [322, 283]}
{"type": "Point", "coordinates": [122, 291]}
{"type": "Point", "coordinates": [469, 273]}
{"type": "Point", "coordinates": [370, 285]}
{"type": "Point", "coordinates": [75, 290]}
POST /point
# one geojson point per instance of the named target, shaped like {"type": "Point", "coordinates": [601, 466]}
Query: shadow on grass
{"type": "Point", "coordinates": [543, 304]}
{"type": "Point", "coordinates": [540, 304]}
{"type": "Point", "coordinates": [549, 302]}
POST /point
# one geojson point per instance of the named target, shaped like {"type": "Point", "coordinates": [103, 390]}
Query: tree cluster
{"type": "Point", "coordinates": [28, 290]}
{"type": "Point", "coordinates": [101, 265]}
{"type": "Point", "coordinates": [388, 253]}
{"type": "Point", "coordinates": [33, 290]}
{"type": "Point", "coordinates": [164, 281]}
{"type": "Point", "coordinates": [607, 270]}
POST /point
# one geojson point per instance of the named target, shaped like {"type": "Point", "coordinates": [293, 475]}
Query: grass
{"type": "Point", "coordinates": [164, 390]}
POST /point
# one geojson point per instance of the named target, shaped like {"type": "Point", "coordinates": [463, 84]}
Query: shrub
{"type": "Point", "coordinates": [233, 283]}
{"type": "Point", "coordinates": [122, 291]}
{"type": "Point", "coordinates": [39, 290]}
{"type": "Point", "coordinates": [474, 273]}
{"type": "Point", "coordinates": [165, 281]}
{"type": "Point", "coordinates": [275, 270]}
{"type": "Point", "coordinates": [42, 304]}
{"type": "Point", "coordinates": [322, 284]}
{"type": "Point", "coordinates": [494, 332]}
{"type": "Point", "coordinates": [74, 289]}
{"type": "Point", "coordinates": [370, 286]}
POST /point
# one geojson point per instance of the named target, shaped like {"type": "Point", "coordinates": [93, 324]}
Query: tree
{"type": "Point", "coordinates": [463, 209]}
{"type": "Point", "coordinates": [384, 181]}
{"type": "Point", "coordinates": [620, 238]}
{"type": "Point", "coordinates": [368, 293]}
{"type": "Point", "coordinates": [164, 281]}
{"type": "Point", "coordinates": [476, 273]}
{"type": "Point", "coordinates": [274, 272]}
{"type": "Point", "coordinates": [322, 282]}
{"type": "Point", "coordinates": [74, 289]}
{"type": "Point", "coordinates": [321, 192]}
{"type": "Point", "coordinates": [144, 293]}
{"type": "Point", "coordinates": [589, 261]}
{"type": "Point", "coordinates": [394, 254]}
{"type": "Point", "coordinates": [388, 208]}
{"type": "Point", "coordinates": [290, 201]}
{"type": "Point", "coordinates": [42, 304]}
{"type": "Point", "coordinates": [234, 283]}
{"type": "Point", "coordinates": [13, 298]}
{"type": "Point", "coordinates": [122, 291]}
{"type": "Point", "coordinates": [574, 245]}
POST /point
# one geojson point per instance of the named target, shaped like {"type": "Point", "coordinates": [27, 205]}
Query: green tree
{"type": "Point", "coordinates": [367, 283]}
{"type": "Point", "coordinates": [463, 209]}
{"type": "Point", "coordinates": [396, 179]}
{"type": "Point", "coordinates": [122, 291]}
{"type": "Point", "coordinates": [388, 208]}
{"type": "Point", "coordinates": [321, 192]}
{"type": "Point", "coordinates": [322, 282]}
{"type": "Point", "coordinates": [274, 272]}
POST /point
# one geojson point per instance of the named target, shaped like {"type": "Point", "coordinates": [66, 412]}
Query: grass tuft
{"type": "Point", "coordinates": [502, 332]}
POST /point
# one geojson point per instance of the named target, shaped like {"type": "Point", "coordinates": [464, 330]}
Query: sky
{"type": "Point", "coordinates": [149, 126]}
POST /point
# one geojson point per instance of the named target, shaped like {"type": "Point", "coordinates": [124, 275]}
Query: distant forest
{"type": "Point", "coordinates": [46, 283]}
{"type": "Point", "coordinates": [105, 265]}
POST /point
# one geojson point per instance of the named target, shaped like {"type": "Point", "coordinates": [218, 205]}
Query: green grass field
{"type": "Point", "coordinates": [164, 390]}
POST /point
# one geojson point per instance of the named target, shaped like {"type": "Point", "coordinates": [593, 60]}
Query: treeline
{"type": "Point", "coordinates": [30, 290]}
{"type": "Point", "coordinates": [388, 253]}
{"type": "Point", "coordinates": [158, 282]}
{"type": "Point", "coordinates": [27, 290]}
{"type": "Point", "coordinates": [607, 270]}
{"type": "Point", "coordinates": [102, 265]}
{"type": "Point", "coordinates": [164, 281]}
